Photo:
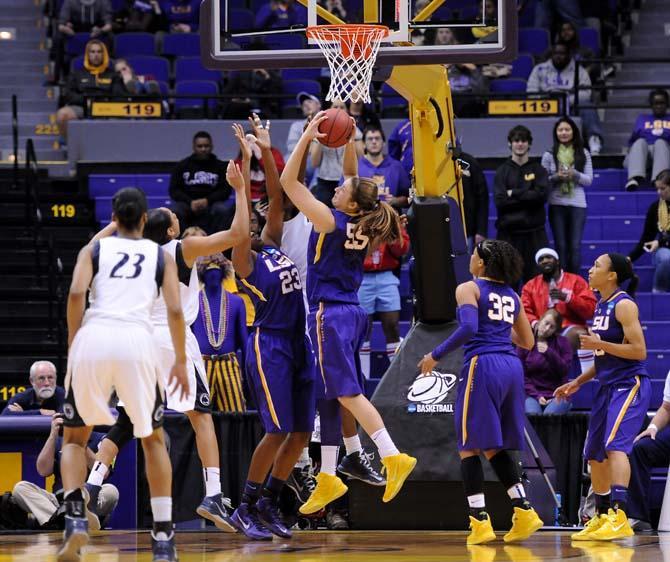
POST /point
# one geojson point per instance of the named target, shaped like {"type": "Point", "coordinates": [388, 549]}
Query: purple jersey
{"type": "Point", "coordinates": [335, 262]}
{"type": "Point", "coordinates": [275, 290]}
{"type": "Point", "coordinates": [611, 369]}
{"type": "Point", "coordinates": [499, 307]}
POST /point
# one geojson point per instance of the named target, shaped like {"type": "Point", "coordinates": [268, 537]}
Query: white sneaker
{"type": "Point", "coordinates": [595, 144]}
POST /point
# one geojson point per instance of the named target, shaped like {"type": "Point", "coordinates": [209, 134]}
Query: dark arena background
{"type": "Point", "coordinates": [450, 82]}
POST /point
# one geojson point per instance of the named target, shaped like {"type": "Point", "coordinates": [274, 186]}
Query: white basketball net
{"type": "Point", "coordinates": [351, 51]}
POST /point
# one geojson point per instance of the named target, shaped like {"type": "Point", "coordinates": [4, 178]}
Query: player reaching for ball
{"type": "Point", "coordinates": [489, 412]}
{"type": "Point", "coordinates": [338, 245]}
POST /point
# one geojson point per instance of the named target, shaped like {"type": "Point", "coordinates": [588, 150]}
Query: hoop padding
{"type": "Point", "coordinates": [351, 51]}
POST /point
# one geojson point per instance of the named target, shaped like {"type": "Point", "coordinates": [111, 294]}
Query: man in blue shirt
{"type": "Point", "coordinates": [44, 397]}
{"type": "Point", "coordinates": [387, 172]}
{"type": "Point", "coordinates": [650, 137]}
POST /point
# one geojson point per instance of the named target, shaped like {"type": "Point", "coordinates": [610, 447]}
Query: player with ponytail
{"type": "Point", "coordinates": [338, 244]}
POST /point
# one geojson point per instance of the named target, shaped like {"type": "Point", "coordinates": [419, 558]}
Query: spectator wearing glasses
{"type": "Point", "coordinates": [42, 398]}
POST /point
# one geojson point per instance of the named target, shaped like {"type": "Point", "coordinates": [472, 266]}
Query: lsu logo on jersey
{"type": "Point", "coordinates": [601, 323]}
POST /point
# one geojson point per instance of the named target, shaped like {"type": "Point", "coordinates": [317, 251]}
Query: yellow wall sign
{"type": "Point", "coordinates": [523, 107]}
{"type": "Point", "coordinates": [125, 109]}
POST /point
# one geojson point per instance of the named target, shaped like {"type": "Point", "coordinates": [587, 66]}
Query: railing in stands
{"type": "Point", "coordinates": [33, 214]}
{"type": "Point", "coordinates": [15, 142]}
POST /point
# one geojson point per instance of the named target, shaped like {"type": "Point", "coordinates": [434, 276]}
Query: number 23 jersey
{"type": "Point", "coordinates": [275, 289]}
{"type": "Point", "coordinates": [499, 308]}
{"type": "Point", "coordinates": [335, 262]}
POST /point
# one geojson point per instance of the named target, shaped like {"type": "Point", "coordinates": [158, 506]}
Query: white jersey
{"type": "Point", "coordinates": [294, 240]}
{"type": "Point", "coordinates": [189, 287]}
{"type": "Point", "coordinates": [127, 276]}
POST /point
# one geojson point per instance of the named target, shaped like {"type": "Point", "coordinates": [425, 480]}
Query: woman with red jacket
{"type": "Point", "coordinates": [380, 293]}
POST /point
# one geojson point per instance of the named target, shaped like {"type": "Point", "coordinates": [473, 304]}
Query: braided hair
{"type": "Point", "coordinates": [502, 261]}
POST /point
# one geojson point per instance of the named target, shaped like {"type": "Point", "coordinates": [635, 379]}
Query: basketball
{"type": "Point", "coordinates": [337, 128]}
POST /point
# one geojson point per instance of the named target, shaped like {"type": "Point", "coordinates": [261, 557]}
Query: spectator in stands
{"type": "Point", "coordinates": [520, 193]}
{"type": "Point", "coordinates": [244, 85]}
{"type": "Point", "coordinates": [569, 34]}
{"type": "Point", "coordinates": [379, 293]}
{"type": "Point", "coordinates": [45, 506]}
{"type": "Point", "coordinates": [568, 293]}
{"type": "Point", "coordinates": [546, 366]}
{"type": "Point", "coordinates": [569, 167]}
{"type": "Point", "coordinates": [43, 398]}
{"type": "Point", "coordinates": [650, 140]}
{"type": "Point", "coordinates": [183, 16]}
{"type": "Point", "coordinates": [310, 106]}
{"type": "Point", "coordinates": [278, 14]}
{"type": "Point", "coordinates": [143, 15]}
{"type": "Point", "coordinates": [387, 172]}
{"type": "Point", "coordinates": [558, 75]}
{"type": "Point", "coordinates": [400, 145]}
{"type": "Point", "coordinates": [363, 115]}
{"type": "Point", "coordinates": [97, 77]}
{"type": "Point", "coordinates": [221, 332]}
{"type": "Point", "coordinates": [656, 234]}
{"type": "Point", "coordinates": [258, 171]}
{"type": "Point", "coordinates": [198, 188]}
{"type": "Point", "coordinates": [335, 7]}
{"type": "Point", "coordinates": [566, 10]}
{"type": "Point", "coordinates": [651, 450]}
{"type": "Point", "coordinates": [475, 200]}
{"type": "Point", "coordinates": [133, 83]}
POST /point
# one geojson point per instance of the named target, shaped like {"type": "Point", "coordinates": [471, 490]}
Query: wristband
{"type": "Point", "coordinates": [653, 426]}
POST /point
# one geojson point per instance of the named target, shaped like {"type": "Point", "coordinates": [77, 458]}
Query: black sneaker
{"type": "Point", "coordinates": [163, 547]}
{"type": "Point", "coordinates": [633, 184]}
{"type": "Point", "coordinates": [301, 481]}
{"type": "Point", "coordinates": [336, 522]}
{"type": "Point", "coordinates": [357, 466]}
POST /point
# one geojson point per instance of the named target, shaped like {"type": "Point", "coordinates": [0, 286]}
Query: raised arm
{"type": "Point", "coordinates": [243, 262]}
{"type": "Point", "coordinates": [76, 300]}
{"type": "Point", "coordinates": [321, 216]}
{"type": "Point", "coordinates": [274, 220]}
{"type": "Point", "coordinates": [105, 232]}
{"type": "Point", "coordinates": [195, 246]}
{"type": "Point", "coordinates": [350, 158]}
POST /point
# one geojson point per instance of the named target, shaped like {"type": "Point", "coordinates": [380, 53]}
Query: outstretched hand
{"type": "Point", "coordinates": [261, 133]}
{"type": "Point", "coordinates": [312, 130]}
{"type": "Point", "coordinates": [234, 176]}
{"type": "Point", "coordinates": [245, 147]}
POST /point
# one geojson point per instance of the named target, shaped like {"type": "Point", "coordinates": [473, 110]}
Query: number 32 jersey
{"type": "Point", "coordinates": [127, 276]}
{"type": "Point", "coordinates": [276, 292]}
{"type": "Point", "coordinates": [499, 308]}
{"type": "Point", "coordinates": [335, 262]}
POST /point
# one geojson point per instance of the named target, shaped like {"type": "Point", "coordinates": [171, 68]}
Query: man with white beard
{"type": "Point", "coordinates": [44, 397]}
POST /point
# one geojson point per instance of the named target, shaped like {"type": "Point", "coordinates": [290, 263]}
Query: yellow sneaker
{"type": "Point", "coordinates": [481, 531]}
{"type": "Point", "coordinates": [328, 489]}
{"type": "Point", "coordinates": [592, 526]}
{"type": "Point", "coordinates": [524, 523]}
{"type": "Point", "coordinates": [398, 468]}
{"type": "Point", "coordinates": [616, 526]}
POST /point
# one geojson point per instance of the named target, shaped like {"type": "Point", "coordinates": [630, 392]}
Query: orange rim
{"type": "Point", "coordinates": [343, 33]}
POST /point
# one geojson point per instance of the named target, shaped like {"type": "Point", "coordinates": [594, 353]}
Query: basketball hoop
{"type": "Point", "coordinates": [351, 51]}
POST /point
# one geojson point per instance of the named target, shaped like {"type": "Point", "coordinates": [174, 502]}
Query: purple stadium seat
{"type": "Point", "coordinates": [661, 305]}
{"type": "Point", "coordinates": [613, 203]}
{"type": "Point", "coordinates": [391, 99]}
{"type": "Point", "coordinates": [156, 68]}
{"type": "Point", "coordinates": [589, 38]}
{"type": "Point", "coordinates": [181, 45]}
{"type": "Point", "coordinates": [624, 227]}
{"type": "Point", "coordinates": [106, 185]}
{"type": "Point", "coordinates": [612, 179]}
{"type": "Point", "coordinates": [643, 200]}
{"type": "Point", "coordinates": [127, 44]}
{"type": "Point", "coordinates": [522, 66]}
{"type": "Point", "coordinates": [77, 63]}
{"type": "Point", "coordinates": [154, 185]}
{"type": "Point", "coordinates": [508, 85]}
{"type": "Point", "coordinates": [292, 87]}
{"type": "Point", "coordinates": [593, 229]}
{"type": "Point", "coordinates": [76, 44]}
{"type": "Point", "coordinates": [190, 68]}
{"type": "Point", "coordinates": [103, 206]}
{"type": "Point", "coordinates": [533, 40]}
{"type": "Point", "coordinates": [656, 334]}
{"type": "Point", "coordinates": [657, 363]}
{"type": "Point", "coordinates": [207, 87]}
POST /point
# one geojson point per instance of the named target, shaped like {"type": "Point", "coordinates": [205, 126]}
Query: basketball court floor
{"type": "Point", "coordinates": [349, 546]}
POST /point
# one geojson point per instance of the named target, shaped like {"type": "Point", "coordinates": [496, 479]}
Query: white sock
{"type": "Point", "coordinates": [477, 500]}
{"type": "Point", "coordinates": [329, 459]}
{"type": "Point", "coordinates": [384, 443]}
{"type": "Point", "coordinates": [516, 492]}
{"type": "Point", "coordinates": [391, 349]}
{"type": "Point", "coordinates": [161, 509]}
{"type": "Point", "coordinates": [586, 359]}
{"type": "Point", "coordinates": [212, 476]}
{"type": "Point", "coordinates": [304, 459]}
{"type": "Point", "coordinates": [352, 444]}
{"type": "Point", "coordinates": [97, 474]}
{"type": "Point", "coordinates": [365, 359]}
